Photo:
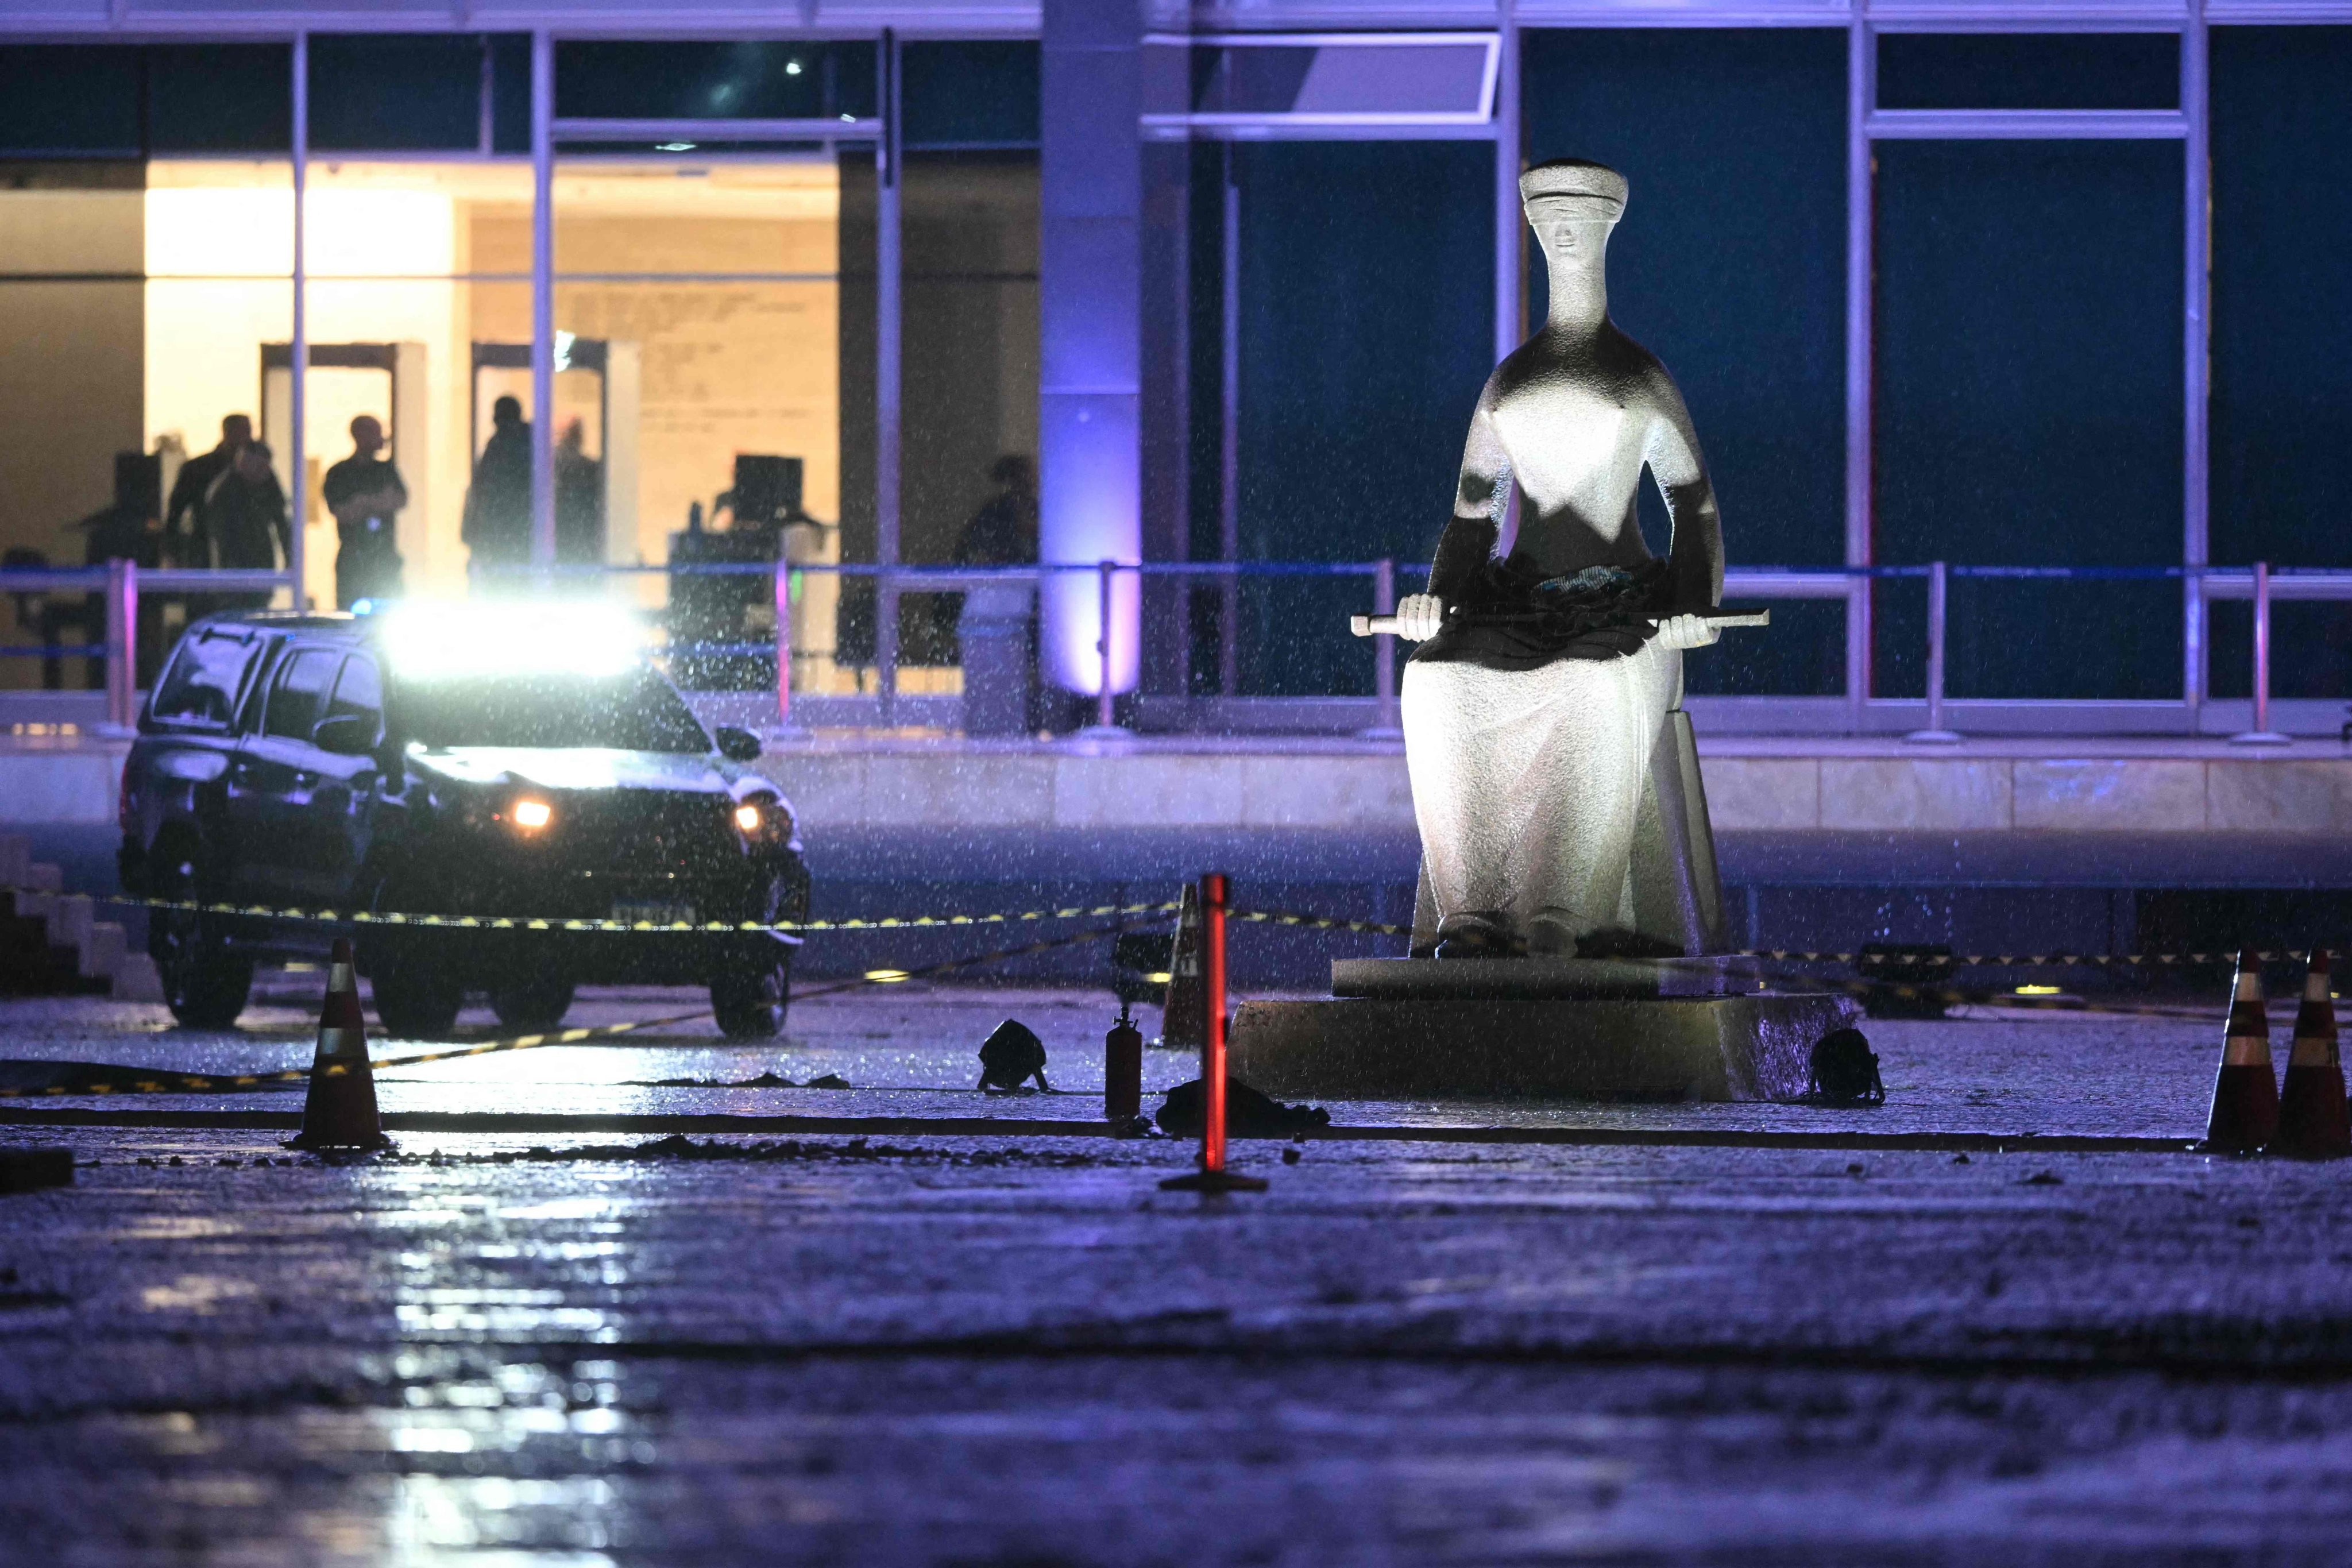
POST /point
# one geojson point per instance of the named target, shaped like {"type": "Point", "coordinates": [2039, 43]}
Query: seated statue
{"type": "Point", "coordinates": [1545, 769]}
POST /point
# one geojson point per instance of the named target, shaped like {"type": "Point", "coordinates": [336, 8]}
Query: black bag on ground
{"type": "Point", "coordinates": [1011, 1055]}
{"type": "Point", "coordinates": [1845, 1070]}
{"type": "Point", "coordinates": [1248, 1113]}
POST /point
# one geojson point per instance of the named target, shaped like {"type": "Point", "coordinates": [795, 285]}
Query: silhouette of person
{"type": "Point", "coordinates": [1003, 532]}
{"type": "Point", "coordinates": [995, 630]}
{"type": "Point", "coordinates": [183, 518]}
{"type": "Point", "coordinates": [366, 493]}
{"type": "Point", "coordinates": [497, 527]}
{"type": "Point", "coordinates": [579, 500]}
{"type": "Point", "coordinates": [242, 524]}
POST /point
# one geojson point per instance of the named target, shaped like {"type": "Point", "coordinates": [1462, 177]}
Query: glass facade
{"type": "Point", "coordinates": [806, 271]}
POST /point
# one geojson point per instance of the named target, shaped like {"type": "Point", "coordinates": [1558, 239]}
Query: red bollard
{"type": "Point", "coordinates": [1213, 1176]}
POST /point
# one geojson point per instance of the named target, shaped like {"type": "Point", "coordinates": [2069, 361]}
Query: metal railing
{"type": "Point", "coordinates": [120, 583]}
{"type": "Point", "coordinates": [2261, 584]}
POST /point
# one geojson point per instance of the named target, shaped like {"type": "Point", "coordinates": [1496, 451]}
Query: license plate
{"type": "Point", "coordinates": [649, 913]}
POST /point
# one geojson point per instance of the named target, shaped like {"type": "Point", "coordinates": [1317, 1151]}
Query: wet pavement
{"type": "Point", "coordinates": [620, 1347]}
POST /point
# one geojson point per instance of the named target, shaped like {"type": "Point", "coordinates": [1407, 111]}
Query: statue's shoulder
{"type": "Point", "coordinates": [1638, 369]}
{"type": "Point", "coordinates": [1608, 364]}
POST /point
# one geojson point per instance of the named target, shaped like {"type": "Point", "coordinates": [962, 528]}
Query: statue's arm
{"type": "Point", "coordinates": [1695, 560]}
{"type": "Point", "coordinates": [1480, 501]}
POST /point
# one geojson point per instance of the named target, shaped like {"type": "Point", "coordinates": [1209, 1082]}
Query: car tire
{"type": "Point", "coordinates": [205, 984]}
{"type": "Point", "coordinates": [750, 1000]}
{"type": "Point", "coordinates": [415, 1000]}
{"type": "Point", "coordinates": [534, 1007]}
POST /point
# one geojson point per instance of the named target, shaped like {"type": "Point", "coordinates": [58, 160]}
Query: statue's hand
{"type": "Point", "coordinates": [1688, 631]}
{"type": "Point", "coordinates": [1419, 617]}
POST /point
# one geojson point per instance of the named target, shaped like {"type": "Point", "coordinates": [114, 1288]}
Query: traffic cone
{"type": "Point", "coordinates": [2245, 1112]}
{"type": "Point", "coordinates": [340, 1110]}
{"type": "Point", "coordinates": [2315, 1123]}
{"type": "Point", "coordinates": [1185, 1020]}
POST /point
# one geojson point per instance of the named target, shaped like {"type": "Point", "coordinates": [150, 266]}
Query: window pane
{"type": "Point", "coordinates": [2028, 71]}
{"type": "Point", "coordinates": [2281, 313]}
{"type": "Point", "coordinates": [72, 311]}
{"type": "Point", "coordinates": [969, 93]}
{"type": "Point", "coordinates": [2029, 404]}
{"type": "Point", "coordinates": [203, 681]}
{"type": "Point", "coordinates": [302, 687]}
{"type": "Point", "coordinates": [415, 269]}
{"type": "Point", "coordinates": [220, 98]}
{"type": "Point", "coordinates": [1350, 438]}
{"type": "Point", "coordinates": [2282, 295]}
{"type": "Point", "coordinates": [697, 307]}
{"type": "Point", "coordinates": [219, 246]}
{"type": "Point", "coordinates": [1729, 265]}
{"type": "Point", "coordinates": [510, 93]}
{"type": "Point", "coordinates": [743, 81]}
{"type": "Point", "coordinates": [359, 692]}
{"type": "Point", "coordinates": [70, 98]}
{"type": "Point", "coordinates": [391, 90]}
{"type": "Point", "coordinates": [970, 382]}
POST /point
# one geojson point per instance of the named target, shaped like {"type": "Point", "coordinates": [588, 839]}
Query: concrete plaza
{"type": "Point", "coordinates": [596, 1346]}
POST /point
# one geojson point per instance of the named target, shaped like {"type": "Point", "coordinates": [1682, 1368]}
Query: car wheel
{"type": "Point", "coordinates": [206, 984]}
{"type": "Point", "coordinates": [750, 999]}
{"type": "Point", "coordinates": [415, 1000]}
{"type": "Point", "coordinates": [533, 1007]}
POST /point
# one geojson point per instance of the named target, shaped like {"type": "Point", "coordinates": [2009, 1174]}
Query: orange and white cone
{"type": "Point", "coordinates": [2245, 1113]}
{"type": "Point", "coordinates": [2315, 1122]}
{"type": "Point", "coordinates": [1184, 1021]}
{"type": "Point", "coordinates": [341, 1112]}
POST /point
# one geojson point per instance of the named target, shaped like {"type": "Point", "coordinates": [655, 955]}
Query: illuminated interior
{"type": "Point", "coordinates": [675, 265]}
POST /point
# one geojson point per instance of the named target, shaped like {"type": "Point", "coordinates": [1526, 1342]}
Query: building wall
{"type": "Point", "coordinates": [71, 326]}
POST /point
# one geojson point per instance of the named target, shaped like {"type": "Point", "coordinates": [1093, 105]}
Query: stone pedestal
{"type": "Point", "coordinates": [1533, 1028]}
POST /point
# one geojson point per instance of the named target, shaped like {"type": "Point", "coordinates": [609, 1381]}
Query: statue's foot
{"type": "Point", "coordinates": [1478, 936]}
{"type": "Point", "coordinates": [1620, 943]}
{"type": "Point", "coordinates": [1548, 938]}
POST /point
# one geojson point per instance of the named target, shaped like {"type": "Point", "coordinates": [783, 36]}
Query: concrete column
{"type": "Point", "coordinates": [1089, 397]}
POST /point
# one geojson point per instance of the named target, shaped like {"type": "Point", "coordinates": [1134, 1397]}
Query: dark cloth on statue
{"type": "Point", "coordinates": [1506, 614]}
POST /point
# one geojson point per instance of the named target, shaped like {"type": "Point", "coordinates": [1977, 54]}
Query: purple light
{"type": "Point", "coordinates": [1089, 512]}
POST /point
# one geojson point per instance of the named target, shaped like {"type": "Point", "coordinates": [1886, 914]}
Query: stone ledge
{"type": "Point", "coordinates": [1275, 786]}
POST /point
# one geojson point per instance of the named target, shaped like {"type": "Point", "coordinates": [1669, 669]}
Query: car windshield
{"type": "Point", "coordinates": [636, 711]}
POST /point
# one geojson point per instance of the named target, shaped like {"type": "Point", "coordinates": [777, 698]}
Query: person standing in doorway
{"type": "Point", "coordinates": [366, 493]}
{"type": "Point", "coordinates": [184, 523]}
{"type": "Point", "coordinates": [579, 500]}
{"type": "Point", "coordinates": [243, 524]}
{"type": "Point", "coordinates": [497, 530]}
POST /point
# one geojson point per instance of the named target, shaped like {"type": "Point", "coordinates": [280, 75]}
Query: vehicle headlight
{"type": "Point", "coordinates": [750, 819]}
{"type": "Point", "coordinates": [531, 815]}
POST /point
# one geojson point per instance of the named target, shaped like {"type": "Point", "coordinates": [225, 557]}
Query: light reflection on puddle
{"type": "Point", "coordinates": [523, 1416]}
{"type": "Point", "coordinates": [195, 1294]}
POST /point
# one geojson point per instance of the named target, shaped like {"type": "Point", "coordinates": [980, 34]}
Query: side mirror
{"type": "Point", "coordinates": [737, 745]}
{"type": "Point", "coordinates": [346, 734]}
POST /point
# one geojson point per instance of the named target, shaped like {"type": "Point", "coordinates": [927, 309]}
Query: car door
{"type": "Point", "coordinates": [343, 813]}
{"type": "Point", "coordinates": [180, 766]}
{"type": "Point", "coordinates": [274, 777]}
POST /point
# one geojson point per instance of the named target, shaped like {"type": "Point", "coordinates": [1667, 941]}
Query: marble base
{"type": "Point", "coordinates": [1530, 979]}
{"type": "Point", "coordinates": [1727, 1046]}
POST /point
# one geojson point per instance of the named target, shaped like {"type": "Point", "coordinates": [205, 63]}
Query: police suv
{"type": "Point", "coordinates": [485, 764]}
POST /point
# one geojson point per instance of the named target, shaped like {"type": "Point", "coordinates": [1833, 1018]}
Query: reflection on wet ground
{"type": "Point", "coordinates": [913, 1050]}
{"type": "Point", "coordinates": [608, 1349]}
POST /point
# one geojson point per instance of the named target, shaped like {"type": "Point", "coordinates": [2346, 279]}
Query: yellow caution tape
{"type": "Point", "coordinates": [225, 1083]}
{"type": "Point", "coordinates": [1794, 955]}
{"type": "Point", "coordinates": [551, 922]}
